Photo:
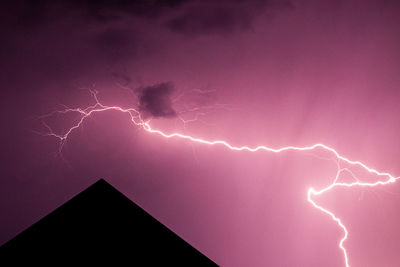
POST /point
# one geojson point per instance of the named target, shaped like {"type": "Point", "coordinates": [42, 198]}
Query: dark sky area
{"type": "Point", "coordinates": [271, 72]}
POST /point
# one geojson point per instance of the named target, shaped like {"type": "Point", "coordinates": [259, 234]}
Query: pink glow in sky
{"type": "Point", "coordinates": [269, 73]}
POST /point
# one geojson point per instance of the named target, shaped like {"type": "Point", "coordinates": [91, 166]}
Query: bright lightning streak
{"type": "Point", "coordinates": [137, 120]}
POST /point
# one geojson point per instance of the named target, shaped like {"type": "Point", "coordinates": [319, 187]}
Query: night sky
{"type": "Point", "coordinates": [254, 72]}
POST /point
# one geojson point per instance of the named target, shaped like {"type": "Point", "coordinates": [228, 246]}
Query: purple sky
{"type": "Point", "coordinates": [271, 72]}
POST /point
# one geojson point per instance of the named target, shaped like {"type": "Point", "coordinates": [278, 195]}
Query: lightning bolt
{"type": "Point", "coordinates": [137, 120]}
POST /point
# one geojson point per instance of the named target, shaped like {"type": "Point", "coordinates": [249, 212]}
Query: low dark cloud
{"type": "Point", "coordinates": [189, 17]}
{"type": "Point", "coordinates": [214, 18]}
{"type": "Point", "coordinates": [37, 11]}
{"type": "Point", "coordinates": [117, 43]}
{"type": "Point", "coordinates": [115, 38]}
{"type": "Point", "coordinates": [203, 20]}
{"type": "Point", "coordinates": [66, 40]}
{"type": "Point", "coordinates": [155, 100]}
{"type": "Point", "coordinates": [221, 17]}
{"type": "Point", "coordinates": [113, 8]}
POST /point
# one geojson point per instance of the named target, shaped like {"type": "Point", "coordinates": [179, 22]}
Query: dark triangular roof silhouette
{"type": "Point", "coordinates": [101, 224]}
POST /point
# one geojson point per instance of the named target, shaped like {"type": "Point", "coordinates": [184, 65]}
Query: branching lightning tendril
{"type": "Point", "coordinates": [136, 119]}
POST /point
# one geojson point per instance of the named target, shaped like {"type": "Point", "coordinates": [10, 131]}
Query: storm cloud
{"type": "Point", "coordinates": [155, 100]}
{"type": "Point", "coordinates": [189, 17]}
{"type": "Point", "coordinates": [102, 11]}
{"type": "Point", "coordinates": [219, 17]}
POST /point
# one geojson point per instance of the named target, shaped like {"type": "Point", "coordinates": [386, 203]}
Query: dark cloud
{"type": "Point", "coordinates": [190, 17]}
{"type": "Point", "coordinates": [58, 41]}
{"type": "Point", "coordinates": [115, 38]}
{"type": "Point", "coordinates": [113, 8]}
{"type": "Point", "coordinates": [155, 100]}
{"type": "Point", "coordinates": [65, 40]}
{"type": "Point", "coordinates": [122, 78]}
{"type": "Point", "coordinates": [220, 17]}
{"type": "Point", "coordinates": [216, 20]}
{"type": "Point", "coordinates": [117, 43]}
{"type": "Point", "coordinates": [36, 11]}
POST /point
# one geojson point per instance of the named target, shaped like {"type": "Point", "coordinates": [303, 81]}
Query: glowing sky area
{"type": "Point", "coordinates": [250, 73]}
